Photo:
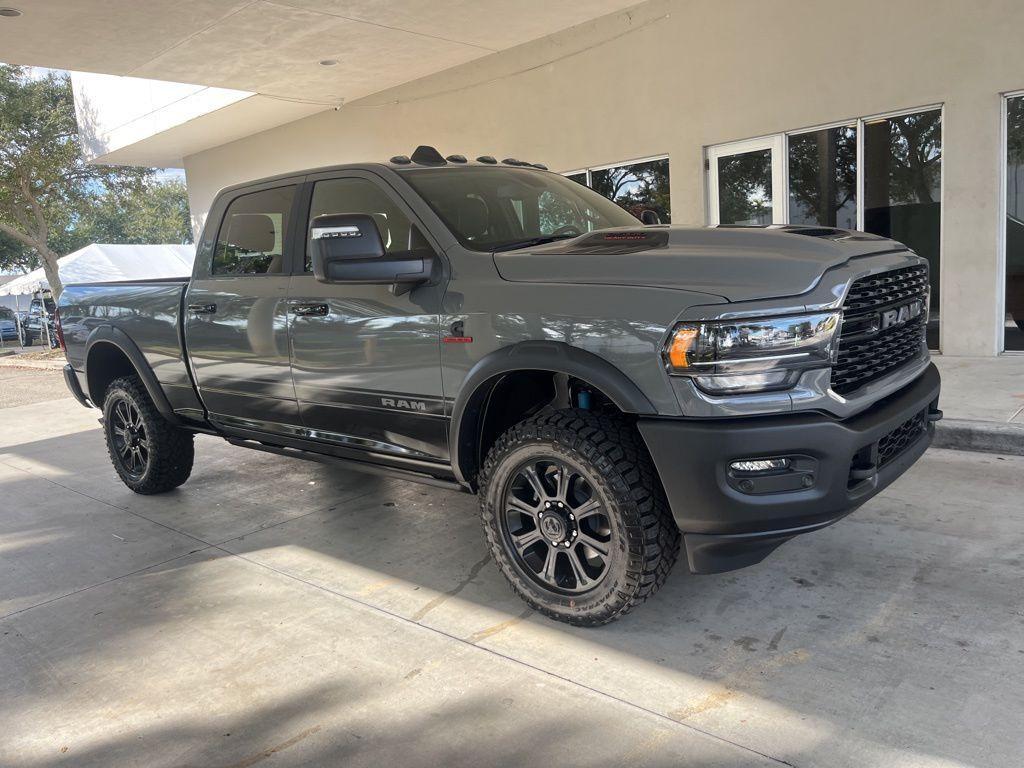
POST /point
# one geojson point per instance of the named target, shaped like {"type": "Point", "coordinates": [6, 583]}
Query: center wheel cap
{"type": "Point", "coordinates": [553, 527]}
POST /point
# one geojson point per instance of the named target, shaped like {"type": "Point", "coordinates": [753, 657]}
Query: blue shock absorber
{"type": "Point", "coordinates": [583, 398]}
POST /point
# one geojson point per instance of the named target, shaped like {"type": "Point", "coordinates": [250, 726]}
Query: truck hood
{"type": "Point", "coordinates": [737, 264]}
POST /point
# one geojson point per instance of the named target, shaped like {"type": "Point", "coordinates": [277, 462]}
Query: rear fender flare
{"type": "Point", "coordinates": [108, 334]}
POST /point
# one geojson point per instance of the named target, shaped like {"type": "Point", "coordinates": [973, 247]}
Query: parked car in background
{"type": "Point", "coordinates": [8, 325]}
{"type": "Point", "coordinates": [611, 391]}
{"type": "Point", "coordinates": [37, 325]}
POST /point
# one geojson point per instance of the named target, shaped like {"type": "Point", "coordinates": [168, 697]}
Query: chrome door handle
{"type": "Point", "coordinates": [310, 310]}
{"type": "Point", "coordinates": [203, 309]}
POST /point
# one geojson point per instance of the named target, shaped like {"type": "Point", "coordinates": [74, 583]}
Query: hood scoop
{"type": "Point", "coordinates": [613, 242]}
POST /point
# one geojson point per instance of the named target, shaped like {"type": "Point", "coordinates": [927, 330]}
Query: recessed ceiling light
{"type": "Point", "coordinates": [328, 62]}
{"type": "Point", "coordinates": [10, 12]}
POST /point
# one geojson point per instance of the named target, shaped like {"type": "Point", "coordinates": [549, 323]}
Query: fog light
{"type": "Point", "coordinates": [759, 465]}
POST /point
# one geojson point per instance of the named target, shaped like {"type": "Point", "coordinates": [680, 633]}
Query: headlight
{"type": "Point", "coordinates": [732, 356]}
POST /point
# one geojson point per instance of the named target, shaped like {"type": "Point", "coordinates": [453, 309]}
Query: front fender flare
{"type": "Point", "coordinates": [534, 355]}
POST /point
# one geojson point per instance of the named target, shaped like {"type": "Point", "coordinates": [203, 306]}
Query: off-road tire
{"type": "Point", "coordinates": [618, 466]}
{"type": "Point", "coordinates": [171, 450]}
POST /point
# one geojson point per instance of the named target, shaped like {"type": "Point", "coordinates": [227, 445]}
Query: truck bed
{"type": "Point", "coordinates": [148, 311]}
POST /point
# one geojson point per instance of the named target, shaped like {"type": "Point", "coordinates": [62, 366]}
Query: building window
{"type": "Point", "coordinates": [823, 177]}
{"type": "Point", "coordinates": [902, 187]}
{"type": "Point", "coordinates": [882, 175]}
{"type": "Point", "coordinates": [745, 190]}
{"type": "Point", "coordinates": [636, 187]}
{"type": "Point", "coordinates": [1013, 331]}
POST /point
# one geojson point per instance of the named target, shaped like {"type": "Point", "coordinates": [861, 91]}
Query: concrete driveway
{"type": "Point", "coordinates": [281, 612]}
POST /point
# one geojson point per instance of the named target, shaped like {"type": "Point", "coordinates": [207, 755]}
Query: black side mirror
{"type": "Point", "coordinates": [648, 217]}
{"type": "Point", "coordinates": [347, 248]}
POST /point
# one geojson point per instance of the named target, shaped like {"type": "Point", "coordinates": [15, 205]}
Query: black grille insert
{"type": "Point", "coordinates": [866, 351]}
{"type": "Point", "coordinates": [901, 438]}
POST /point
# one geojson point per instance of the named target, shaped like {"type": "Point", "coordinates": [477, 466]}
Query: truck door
{"type": "Point", "coordinates": [236, 313]}
{"type": "Point", "coordinates": [365, 361]}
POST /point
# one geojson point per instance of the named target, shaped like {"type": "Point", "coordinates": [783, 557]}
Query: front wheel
{"type": "Point", "coordinates": [149, 454]}
{"type": "Point", "coordinates": [575, 516]}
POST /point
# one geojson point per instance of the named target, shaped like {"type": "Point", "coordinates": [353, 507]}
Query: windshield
{"type": "Point", "coordinates": [503, 208]}
{"type": "Point", "coordinates": [6, 314]}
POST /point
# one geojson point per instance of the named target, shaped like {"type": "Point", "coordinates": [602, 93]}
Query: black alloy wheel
{"type": "Point", "coordinates": [131, 444]}
{"type": "Point", "coordinates": [557, 526]}
{"type": "Point", "coordinates": [575, 515]}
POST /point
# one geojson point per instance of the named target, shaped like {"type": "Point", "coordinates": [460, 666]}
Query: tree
{"type": "Point", "coordinates": [50, 198]}
{"type": "Point", "coordinates": [157, 213]}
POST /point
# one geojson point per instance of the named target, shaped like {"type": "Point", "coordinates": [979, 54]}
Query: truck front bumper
{"type": "Point", "coordinates": [733, 519]}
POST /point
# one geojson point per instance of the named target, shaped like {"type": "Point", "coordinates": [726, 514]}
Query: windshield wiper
{"type": "Point", "coordinates": [532, 241]}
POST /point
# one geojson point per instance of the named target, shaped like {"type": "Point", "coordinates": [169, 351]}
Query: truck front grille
{"type": "Point", "coordinates": [868, 349]}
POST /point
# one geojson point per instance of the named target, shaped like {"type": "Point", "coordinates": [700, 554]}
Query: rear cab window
{"type": "Point", "coordinates": [254, 233]}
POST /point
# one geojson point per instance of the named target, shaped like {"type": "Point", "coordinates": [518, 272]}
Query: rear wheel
{"type": "Point", "coordinates": [149, 454]}
{"type": "Point", "coordinates": [575, 516]}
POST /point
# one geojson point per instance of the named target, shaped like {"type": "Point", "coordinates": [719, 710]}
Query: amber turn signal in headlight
{"type": "Point", "coordinates": [682, 343]}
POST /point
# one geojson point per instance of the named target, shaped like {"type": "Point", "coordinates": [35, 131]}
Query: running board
{"type": "Point", "coordinates": [359, 466]}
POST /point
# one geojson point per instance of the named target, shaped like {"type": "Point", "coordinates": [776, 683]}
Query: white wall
{"type": "Point", "coordinates": [673, 76]}
{"type": "Point", "coordinates": [115, 112]}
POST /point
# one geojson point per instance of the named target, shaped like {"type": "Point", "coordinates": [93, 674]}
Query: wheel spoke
{"type": "Point", "coordinates": [123, 449]}
{"type": "Point", "coordinates": [522, 507]}
{"type": "Point", "coordinates": [582, 580]}
{"type": "Point", "coordinates": [587, 508]}
{"type": "Point", "coordinates": [119, 432]}
{"type": "Point", "coordinates": [564, 478]}
{"type": "Point", "coordinates": [548, 573]}
{"type": "Point", "coordinates": [525, 540]}
{"type": "Point", "coordinates": [533, 478]}
{"type": "Point", "coordinates": [600, 547]}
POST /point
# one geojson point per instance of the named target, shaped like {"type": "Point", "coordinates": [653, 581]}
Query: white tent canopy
{"type": "Point", "coordinates": [99, 263]}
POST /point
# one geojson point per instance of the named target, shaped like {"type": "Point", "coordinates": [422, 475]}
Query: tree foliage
{"type": "Point", "coordinates": [51, 200]}
{"type": "Point", "coordinates": [637, 187]}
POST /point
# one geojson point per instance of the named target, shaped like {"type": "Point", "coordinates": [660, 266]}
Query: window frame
{"type": "Point", "coordinates": [1002, 278]}
{"type": "Point", "coordinates": [287, 237]}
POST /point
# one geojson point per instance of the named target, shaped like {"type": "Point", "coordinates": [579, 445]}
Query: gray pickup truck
{"type": "Point", "coordinates": [615, 393]}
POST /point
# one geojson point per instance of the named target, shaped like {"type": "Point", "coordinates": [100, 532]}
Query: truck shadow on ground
{"type": "Point", "coordinates": [887, 615]}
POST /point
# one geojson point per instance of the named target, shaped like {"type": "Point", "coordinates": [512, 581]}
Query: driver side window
{"type": "Point", "coordinates": [356, 195]}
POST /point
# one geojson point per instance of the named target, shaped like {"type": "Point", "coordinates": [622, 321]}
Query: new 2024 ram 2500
{"type": "Point", "coordinates": [613, 392]}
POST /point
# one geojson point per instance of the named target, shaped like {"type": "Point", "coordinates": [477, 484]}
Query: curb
{"type": "Point", "coordinates": [981, 436]}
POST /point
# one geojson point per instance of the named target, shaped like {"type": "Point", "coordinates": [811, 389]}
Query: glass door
{"type": "Point", "coordinates": [1013, 318]}
{"type": "Point", "coordinates": [746, 183]}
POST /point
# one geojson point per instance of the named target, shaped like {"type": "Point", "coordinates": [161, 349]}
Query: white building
{"type": "Point", "coordinates": [888, 115]}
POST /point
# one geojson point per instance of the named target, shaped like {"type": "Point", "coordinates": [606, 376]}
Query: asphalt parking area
{"type": "Point", "coordinates": [282, 611]}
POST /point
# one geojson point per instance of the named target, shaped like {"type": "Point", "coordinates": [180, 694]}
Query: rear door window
{"type": "Point", "coordinates": [254, 234]}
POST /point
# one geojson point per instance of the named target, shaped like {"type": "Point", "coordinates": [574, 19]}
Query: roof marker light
{"type": "Point", "coordinates": [11, 13]}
